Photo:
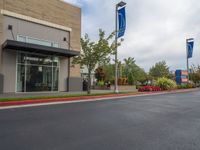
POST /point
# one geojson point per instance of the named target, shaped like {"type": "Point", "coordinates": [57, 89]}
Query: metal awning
{"type": "Point", "coordinates": [28, 47]}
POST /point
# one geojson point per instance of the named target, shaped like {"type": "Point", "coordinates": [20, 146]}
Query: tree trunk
{"type": "Point", "coordinates": [89, 82]}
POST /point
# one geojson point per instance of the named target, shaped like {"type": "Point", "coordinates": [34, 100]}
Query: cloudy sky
{"type": "Point", "coordinates": [156, 29]}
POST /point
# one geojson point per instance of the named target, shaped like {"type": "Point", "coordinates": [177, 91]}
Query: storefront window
{"type": "Point", "coordinates": [37, 73]}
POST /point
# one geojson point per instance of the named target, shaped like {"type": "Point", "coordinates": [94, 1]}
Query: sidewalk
{"type": "Point", "coordinates": [87, 98]}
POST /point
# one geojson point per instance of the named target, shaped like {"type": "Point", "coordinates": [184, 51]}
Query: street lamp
{"type": "Point", "coordinates": [189, 51]}
{"type": "Point", "coordinates": [120, 4]}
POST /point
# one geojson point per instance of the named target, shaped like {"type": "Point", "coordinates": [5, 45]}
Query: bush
{"type": "Point", "coordinates": [165, 84]}
{"type": "Point", "coordinates": [100, 83]}
{"type": "Point", "coordinates": [149, 88]}
{"type": "Point", "coordinates": [186, 86]}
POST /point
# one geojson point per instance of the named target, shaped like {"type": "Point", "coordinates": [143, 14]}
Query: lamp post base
{"type": "Point", "coordinates": [116, 91]}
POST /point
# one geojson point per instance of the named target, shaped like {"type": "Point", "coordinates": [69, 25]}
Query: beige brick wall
{"type": "Point", "coordinates": [54, 11]}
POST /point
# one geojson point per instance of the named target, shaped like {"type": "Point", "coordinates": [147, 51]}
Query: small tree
{"type": "Point", "coordinates": [159, 70]}
{"type": "Point", "coordinates": [195, 74]}
{"type": "Point", "coordinates": [94, 53]}
{"type": "Point", "coordinates": [109, 70]}
{"type": "Point", "coordinates": [133, 72]}
{"type": "Point", "coordinates": [142, 76]}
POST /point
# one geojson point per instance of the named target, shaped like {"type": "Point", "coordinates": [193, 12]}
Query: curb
{"type": "Point", "coordinates": [88, 98]}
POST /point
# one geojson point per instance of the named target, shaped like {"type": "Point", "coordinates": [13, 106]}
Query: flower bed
{"type": "Point", "coordinates": [149, 88]}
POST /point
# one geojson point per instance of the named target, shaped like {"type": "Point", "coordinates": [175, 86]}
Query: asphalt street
{"type": "Point", "coordinates": [160, 122]}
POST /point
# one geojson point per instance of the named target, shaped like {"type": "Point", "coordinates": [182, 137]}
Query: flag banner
{"type": "Point", "coordinates": [122, 22]}
{"type": "Point", "coordinates": [190, 45]}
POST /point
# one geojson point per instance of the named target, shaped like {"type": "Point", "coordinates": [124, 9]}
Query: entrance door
{"type": "Point", "coordinates": [38, 78]}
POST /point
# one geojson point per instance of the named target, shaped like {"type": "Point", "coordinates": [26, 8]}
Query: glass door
{"type": "Point", "coordinates": [38, 78]}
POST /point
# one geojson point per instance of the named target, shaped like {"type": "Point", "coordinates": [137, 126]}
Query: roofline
{"type": "Point", "coordinates": [70, 4]}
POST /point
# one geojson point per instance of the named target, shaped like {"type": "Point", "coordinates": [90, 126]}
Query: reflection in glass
{"type": "Point", "coordinates": [38, 78]}
{"type": "Point", "coordinates": [20, 78]}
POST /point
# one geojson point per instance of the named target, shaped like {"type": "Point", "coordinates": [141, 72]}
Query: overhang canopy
{"type": "Point", "coordinates": [28, 47]}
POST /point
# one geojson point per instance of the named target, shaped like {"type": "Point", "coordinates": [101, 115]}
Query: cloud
{"type": "Point", "coordinates": [156, 29]}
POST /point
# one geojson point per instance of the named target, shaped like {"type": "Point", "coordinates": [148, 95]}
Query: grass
{"type": "Point", "coordinates": [57, 96]}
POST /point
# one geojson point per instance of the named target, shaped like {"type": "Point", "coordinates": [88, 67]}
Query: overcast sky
{"type": "Point", "coordinates": [156, 29]}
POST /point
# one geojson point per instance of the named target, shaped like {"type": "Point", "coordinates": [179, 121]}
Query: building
{"type": "Point", "coordinates": [38, 41]}
{"type": "Point", "coordinates": [84, 75]}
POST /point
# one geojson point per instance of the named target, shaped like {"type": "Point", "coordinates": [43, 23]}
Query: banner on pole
{"type": "Point", "coordinates": [190, 45]}
{"type": "Point", "coordinates": [122, 22]}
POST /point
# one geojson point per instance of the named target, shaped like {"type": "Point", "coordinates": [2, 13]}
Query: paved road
{"type": "Point", "coordinates": [162, 122]}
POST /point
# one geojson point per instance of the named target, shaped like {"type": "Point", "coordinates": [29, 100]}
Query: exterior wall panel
{"type": "Point", "coordinates": [9, 71]}
{"type": "Point", "coordinates": [52, 11]}
{"type": "Point", "coordinates": [63, 74]}
{"type": "Point", "coordinates": [30, 29]}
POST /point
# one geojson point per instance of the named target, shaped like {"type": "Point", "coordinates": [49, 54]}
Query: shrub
{"type": "Point", "coordinates": [149, 88]}
{"type": "Point", "coordinates": [186, 86]}
{"type": "Point", "coordinates": [100, 83]}
{"type": "Point", "coordinates": [165, 84]}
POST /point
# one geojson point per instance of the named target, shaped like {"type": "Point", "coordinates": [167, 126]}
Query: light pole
{"type": "Point", "coordinates": [120, 4]}
{"type": "Point", "coordinates": [189, 49]}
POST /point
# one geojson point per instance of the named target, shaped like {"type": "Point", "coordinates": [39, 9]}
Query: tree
{"type": "Point", "coordinates": [109, 70]}
{"type": "Point", "coordinates": [133, 72]}
{"type": "Point", "coordinates": [142, 76]}
{"type": "Point", "coordinates": [100, 74]}
{"type": "Point", "coordinates": [94, 53]}
{"type": "Point", "coordinates": [128, 66]}
{"type": "Point", "coordinates": [159, 70]}
{"type": "Point", "coordinates": [195, 74]}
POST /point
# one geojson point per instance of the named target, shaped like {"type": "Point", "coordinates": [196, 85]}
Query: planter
{"type": "Point", "coordinates": [96, 87]}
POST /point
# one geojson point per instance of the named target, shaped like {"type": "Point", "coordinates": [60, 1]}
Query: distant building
{"type": "Point", "coordinates": [37, 39]}
{"type": "Point", "coordinates": [84, 75]}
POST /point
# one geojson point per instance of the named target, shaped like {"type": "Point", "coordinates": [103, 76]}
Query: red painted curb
{"type": "Point", "coordinates": [37, 101]}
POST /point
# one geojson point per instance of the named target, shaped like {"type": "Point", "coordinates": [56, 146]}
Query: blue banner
{"type": "Point", "coordinates": [122, 22]}
{"type": "Point", "coordinates": [190, 45]}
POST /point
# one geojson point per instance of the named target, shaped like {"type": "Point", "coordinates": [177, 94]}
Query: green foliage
{"type": "Point", "coordinates": [142, 76]}
{"type": "Point", "coordinates": [186, 86]}
{"type": "Point", "coordinates": [133, 72]}
{"type": "Point", "coordinates": [159, 70]}
{"type": "Point", "coordinates": [195, 74]}
{"type": "Point", "coordinates": [101, 83]}
{"type": "Point", "coordinates": [129, 66]}
{"type": "Point", "coordinates": [94, 53]}
{"type": "Point", "coordinates": [109, 70]}
{"type": "Point", "coordinates": [165, 83]}
{"type": "Point", "coordinates": [127, 69]}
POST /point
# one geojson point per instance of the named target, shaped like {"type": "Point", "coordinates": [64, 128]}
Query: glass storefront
{"type": "Point", "coordinates": [37, 73]}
